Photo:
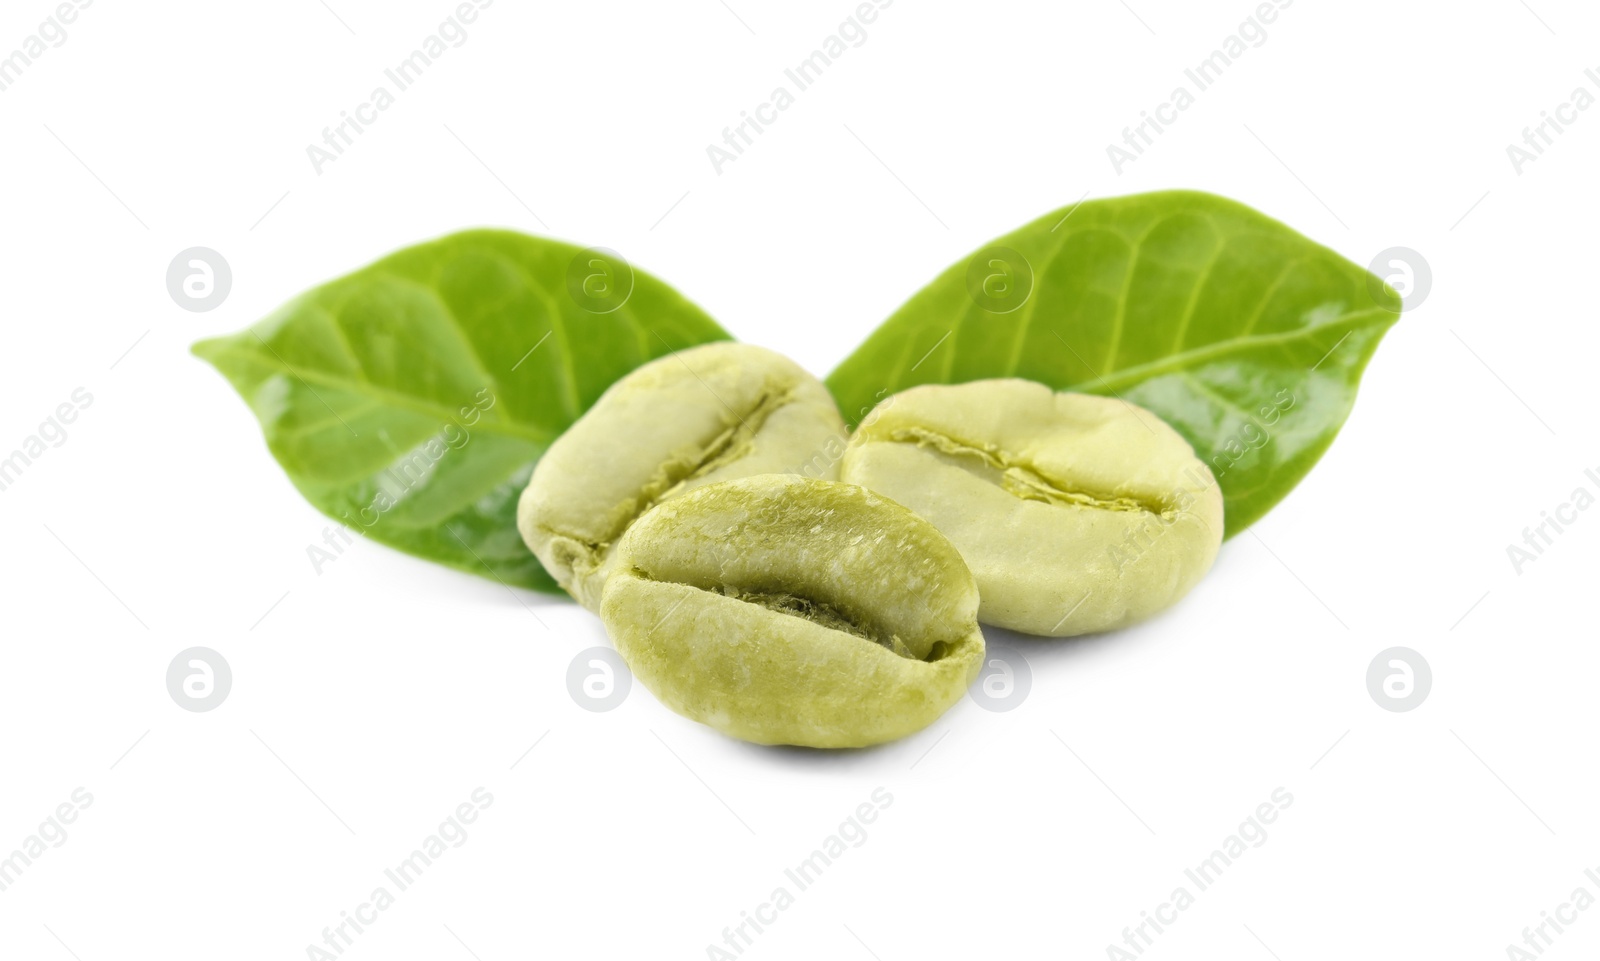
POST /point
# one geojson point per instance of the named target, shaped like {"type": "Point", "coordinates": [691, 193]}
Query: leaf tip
{"type": "Point", "coordinates": [207, 349]}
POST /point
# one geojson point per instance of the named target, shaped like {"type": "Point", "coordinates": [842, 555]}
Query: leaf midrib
{"type": "Point", "coordinates": [394, 399]}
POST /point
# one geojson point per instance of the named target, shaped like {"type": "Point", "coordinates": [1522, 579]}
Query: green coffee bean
{"type": "Point", "coordinates": [785, 610]}
{"type": "Point", "coordinates": [1076, 513]}
{"type": "Point", "coordinates": [693, 418]}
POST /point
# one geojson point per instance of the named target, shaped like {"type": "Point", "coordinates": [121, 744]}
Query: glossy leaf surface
{"type": "Point", "coordinates": [1245, 336]}
{"type": "Point", "coordinates": [410, 399]}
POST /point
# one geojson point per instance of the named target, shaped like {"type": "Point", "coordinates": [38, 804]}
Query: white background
{"type": "Point", "coordinates": [372, 699]}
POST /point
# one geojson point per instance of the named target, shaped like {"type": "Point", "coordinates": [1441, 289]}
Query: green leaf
{"type": "Point", "coordinates": [411, 399]}
{"type": "Point", "coordinates": [1245, 336]}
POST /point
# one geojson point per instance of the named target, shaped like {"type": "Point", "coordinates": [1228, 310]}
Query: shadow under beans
{"type": "Point", "coordinates": [1050, 658]}
{"type": "Point", "coordinates": [833, 759]}
{"type": "Point", "coordinates": [1047, 655]}
{"type": "Point", "coordinates": [1044, 651]}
